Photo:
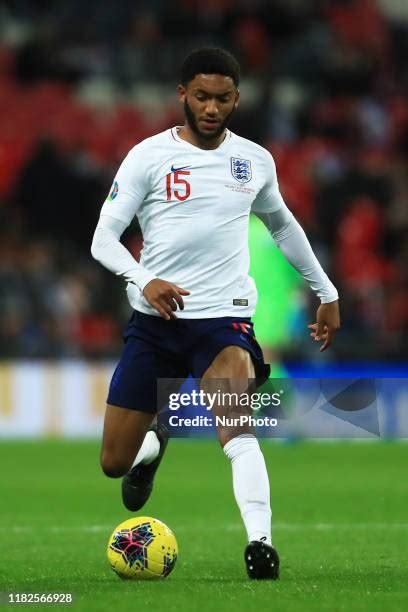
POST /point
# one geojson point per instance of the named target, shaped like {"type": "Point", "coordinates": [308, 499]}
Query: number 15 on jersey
{"type": "Point", "coordinates": [177, 185]}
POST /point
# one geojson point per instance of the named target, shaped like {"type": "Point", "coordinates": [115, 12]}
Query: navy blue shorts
{"type": "Point", "coordinates": [156, 348]}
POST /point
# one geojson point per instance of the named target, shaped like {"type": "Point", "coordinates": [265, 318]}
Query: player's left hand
{"type": "Point", "coordinates": [327, 323]}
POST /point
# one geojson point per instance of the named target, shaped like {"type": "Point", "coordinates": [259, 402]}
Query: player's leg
{"type": "Point", "coordinates": [232, 371]}
{"type": "Point", "coordinates": [124, 432]}
{"type": "Point", "coordinates": [133, 448]}
{"type": "Point", "coordinates": [133, 445]}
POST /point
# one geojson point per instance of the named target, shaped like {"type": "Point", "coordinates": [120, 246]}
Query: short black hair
{"type": "Point", "coordinates": [210, 60]}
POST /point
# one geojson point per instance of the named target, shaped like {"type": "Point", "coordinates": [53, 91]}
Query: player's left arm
{"type": "Point", "coordinates": [270, 207]}
{"type": "Point", "coordinates": [292, 241]}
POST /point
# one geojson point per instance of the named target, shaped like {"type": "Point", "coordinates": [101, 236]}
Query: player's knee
{"type": "Point", "coordinates": [113, 467]}
{"type": "Point", "coordinates": [225, 435]}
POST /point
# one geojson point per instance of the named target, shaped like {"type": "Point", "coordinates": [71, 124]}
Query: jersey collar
{"type": "Point", "coordinates": [174, 133]}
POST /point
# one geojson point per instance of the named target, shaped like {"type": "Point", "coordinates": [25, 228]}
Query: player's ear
{"type": "Point", "coordinates": [236, 99]}
{"type": "Point", "coordinates": [181, 90]}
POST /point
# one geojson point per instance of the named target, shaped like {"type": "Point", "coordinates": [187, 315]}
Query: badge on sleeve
{"type": "Point", "coordinates": [114, 192]}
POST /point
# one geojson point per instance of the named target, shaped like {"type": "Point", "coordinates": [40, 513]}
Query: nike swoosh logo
{"type": "Point", "coordinates": [173, 169]}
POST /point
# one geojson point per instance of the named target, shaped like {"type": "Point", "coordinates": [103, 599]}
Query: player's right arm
{"type": "Point", "coordinates": [128, 192]}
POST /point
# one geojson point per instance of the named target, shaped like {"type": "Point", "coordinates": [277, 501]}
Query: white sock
{"type": "Point", "coordinates": [251, 486]}
{"type": "Point", "coordinates": [149, 450]}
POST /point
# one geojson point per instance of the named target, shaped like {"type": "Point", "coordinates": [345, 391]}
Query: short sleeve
{"type": "Point", "coordinates": [269, 198]}
{"type": "Point", "coordinates": [129, 187]}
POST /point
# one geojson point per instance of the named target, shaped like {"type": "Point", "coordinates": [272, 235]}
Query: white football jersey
{"type": "Point", "coordinates": [193, 208]}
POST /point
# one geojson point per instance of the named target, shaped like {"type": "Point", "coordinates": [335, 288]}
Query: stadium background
{"type": "Point", "coordinates": [82, 84]}
{"type": "Point", "coordinates": [324, 88]}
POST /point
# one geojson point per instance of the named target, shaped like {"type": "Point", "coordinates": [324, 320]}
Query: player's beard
{"type": "Point", "coordinates": [191, 120]}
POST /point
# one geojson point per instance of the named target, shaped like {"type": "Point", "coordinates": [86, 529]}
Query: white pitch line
{"type": "Point", "coordinates": [327, 526]}
{"type": "Point", "coordinates": [226, 527]}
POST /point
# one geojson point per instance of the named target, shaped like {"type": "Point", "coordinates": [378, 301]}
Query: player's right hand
{"type": "Point", "coordinates": [164, 297]}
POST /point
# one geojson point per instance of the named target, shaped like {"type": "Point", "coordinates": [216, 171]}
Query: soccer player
{"type": "Point", "coordinates": [192, 188]}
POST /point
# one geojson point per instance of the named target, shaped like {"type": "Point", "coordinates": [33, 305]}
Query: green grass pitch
{"type": "Point", "coordinates": [340, 525]}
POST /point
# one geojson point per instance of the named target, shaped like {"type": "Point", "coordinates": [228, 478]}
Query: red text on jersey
{"type": "Point", "coordinates": [173, 180]}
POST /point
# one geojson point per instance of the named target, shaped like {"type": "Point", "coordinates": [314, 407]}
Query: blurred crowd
{"type": "Point", "coordinates": [324, 88]}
